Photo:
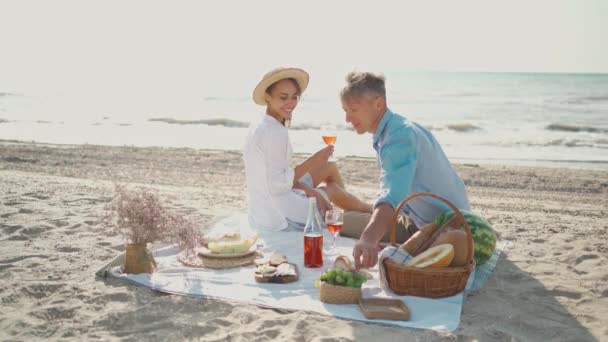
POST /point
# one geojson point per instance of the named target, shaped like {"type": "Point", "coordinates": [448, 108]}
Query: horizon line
{"type": "Point", "coordinates": [456, 71]}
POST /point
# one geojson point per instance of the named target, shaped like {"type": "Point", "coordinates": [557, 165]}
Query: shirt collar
{"type": "Point", "coordinates": [382, 125]}
{"type": "Point", "coordinates": [271, 120]}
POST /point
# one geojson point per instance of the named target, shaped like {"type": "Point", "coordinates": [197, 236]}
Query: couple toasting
{"type": "Point", "coordinates": [409, 156]}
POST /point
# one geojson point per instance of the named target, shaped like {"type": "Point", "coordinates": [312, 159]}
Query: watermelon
{"type": "Point", "coordinates": [484, 237]}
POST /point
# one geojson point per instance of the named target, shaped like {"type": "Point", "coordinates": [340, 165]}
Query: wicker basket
{"type": "Point", "coordinates": [335, 294]}
{"type": "Point", "coordinates": [196, 260]}
{"type": "Point", "coordinates": [428, 282]}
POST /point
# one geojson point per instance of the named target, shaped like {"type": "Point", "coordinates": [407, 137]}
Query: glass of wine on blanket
{"type": "Point", "coordinates": [334, 218]}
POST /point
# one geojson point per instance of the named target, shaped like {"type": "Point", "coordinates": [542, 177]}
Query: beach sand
{"type": "Point", "coordinates": [551, 283]}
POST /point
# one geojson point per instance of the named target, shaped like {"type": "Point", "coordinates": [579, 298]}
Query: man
{"type": "Point", "coordinates": [411, 160]}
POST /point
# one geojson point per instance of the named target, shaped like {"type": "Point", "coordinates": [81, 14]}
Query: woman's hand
{"type": "Point", "coordinates": [323, 204]}
{"type": "Point", "coordinates": [316, 161]}
{"type": "Point", "coordinates": [321, 156]}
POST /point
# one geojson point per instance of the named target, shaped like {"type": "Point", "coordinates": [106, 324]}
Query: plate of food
{"type": "Point", "coordinates": [275, 269]}
{"type": "Point", "coordinates": [230, 245]}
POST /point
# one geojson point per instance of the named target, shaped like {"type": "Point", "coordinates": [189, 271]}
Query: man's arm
{"type": "Point", "coordinates": [398, 159]}
{"type": "Point", "coordinates": [367, 247]}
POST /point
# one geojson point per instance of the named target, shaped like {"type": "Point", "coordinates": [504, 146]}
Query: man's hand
{"type": "Point", "coordinates": [365, 254]}
{"type": "Point", "coordinates": [366, 250]}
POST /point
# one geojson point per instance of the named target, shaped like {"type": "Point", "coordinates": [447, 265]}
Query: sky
{"type": "Point", "coordinates": [222, 46]}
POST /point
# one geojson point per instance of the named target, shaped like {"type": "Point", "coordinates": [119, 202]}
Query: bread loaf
{"type": "Point", "coordinates": [343, 262]}
{"type": "Point", "coordinates": [277, 258]}
{"type": "Point", "coordinates": [413, 244]}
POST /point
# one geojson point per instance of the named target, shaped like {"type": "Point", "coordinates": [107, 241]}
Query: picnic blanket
{"type": "Point", "coordinates": [239, 284]}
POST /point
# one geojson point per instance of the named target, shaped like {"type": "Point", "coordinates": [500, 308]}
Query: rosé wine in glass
{"type": "Point", "coordinates": [334, 219]}
{"type": "Point", "coordinates": [330, 139]}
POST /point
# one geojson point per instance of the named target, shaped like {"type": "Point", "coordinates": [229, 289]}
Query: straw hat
{"type": "Point", "coordinates": [276, 75]}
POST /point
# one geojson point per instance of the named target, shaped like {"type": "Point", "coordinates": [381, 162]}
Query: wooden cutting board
{"type": "Point", "coordinates": [279, 280]}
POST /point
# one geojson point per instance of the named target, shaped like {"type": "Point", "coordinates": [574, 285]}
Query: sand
{"type": "Point", "coordinates": [550, 285]}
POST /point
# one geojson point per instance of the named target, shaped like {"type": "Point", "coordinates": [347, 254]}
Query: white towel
{"type": "Point", "coordinates": [397, 255]}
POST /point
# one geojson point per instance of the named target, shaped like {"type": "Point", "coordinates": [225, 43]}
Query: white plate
{"type": "Point", "coordinates": [208, 253]}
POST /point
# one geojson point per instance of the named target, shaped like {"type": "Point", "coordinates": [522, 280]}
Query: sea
{"type": "Point", "coordinates": [531, 119]}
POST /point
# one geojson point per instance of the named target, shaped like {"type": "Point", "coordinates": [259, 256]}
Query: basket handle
{"type": "Point", "coordinates": [450, 204]}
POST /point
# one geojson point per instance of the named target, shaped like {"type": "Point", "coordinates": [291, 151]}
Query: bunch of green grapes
{"type": "Point", "coordinates": [335, 276]}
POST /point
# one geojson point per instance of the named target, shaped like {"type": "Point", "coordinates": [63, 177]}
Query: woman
{"type": "Point", "coordinates": [277, 193]}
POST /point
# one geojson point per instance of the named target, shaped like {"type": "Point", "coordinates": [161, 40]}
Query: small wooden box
{"type": "Point", "coordinates": [384, 308]}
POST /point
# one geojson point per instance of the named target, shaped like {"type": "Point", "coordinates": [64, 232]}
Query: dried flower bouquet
{"type": "Point", "coordinates": [141, 217]}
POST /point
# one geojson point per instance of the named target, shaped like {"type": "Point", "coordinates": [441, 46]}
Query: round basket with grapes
{"type": "Point", "coordinates": [340, 286]}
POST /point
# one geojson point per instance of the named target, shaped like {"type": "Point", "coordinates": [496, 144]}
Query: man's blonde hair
{"type": "Point", "coordinates": [360, 83]}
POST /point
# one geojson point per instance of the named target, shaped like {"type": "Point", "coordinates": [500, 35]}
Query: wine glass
{"type": "Point", "coordinates": [334, 218]}
{"type": "Point", "coordinates": [330, 139]}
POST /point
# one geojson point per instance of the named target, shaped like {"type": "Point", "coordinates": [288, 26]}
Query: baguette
{"type": "Point", "coordinates": [415, 242]}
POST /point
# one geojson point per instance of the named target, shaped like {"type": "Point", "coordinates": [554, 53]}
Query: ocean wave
{"type": "Point", "coordinates": [587, 99]}
{"type": "Point", "coordinates": [463, 94]}
{"type": "Point", "coordinates": [3, 120]}
{"type": "Point", "coordinates": [4, 94]}
{"type": "Point", "coordinates": [574, 128]}
{"type": "Point", "coordinates": [209, 122]}
{"type": "Point", "coordinates": [593, 143]}
{"type": "Point", "coordinates": [304, 126]}
{"type": "Point", "coordinates": [212, 98]}
{"type": "Point", "coordinates": [319, 127]}
{"type": "Point", "coordinates": [433, 128]}
{"type": "Point", "coordinates": [463, 127]}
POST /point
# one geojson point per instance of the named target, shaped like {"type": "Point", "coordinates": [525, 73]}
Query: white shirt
{"type": "Point", "coordinates": [270, 178]}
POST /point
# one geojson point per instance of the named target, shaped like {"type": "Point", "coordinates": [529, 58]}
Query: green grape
{"type": "Point", "coordinates": [351, 283]}
{"type": "Point", "coordinates": [331, 273]}
{"type": "Point", "coordinates": [323, 276]}
{"type": "Point", "coordinates": [359, 277]}
{"type": "Point", "coordinates": [317, 283]}
{"type": "Point", "coordinates": [340, 280]}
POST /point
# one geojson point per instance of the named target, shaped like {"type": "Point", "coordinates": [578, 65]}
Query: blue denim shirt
{"type": "Point", "coordinates": [411, 160]}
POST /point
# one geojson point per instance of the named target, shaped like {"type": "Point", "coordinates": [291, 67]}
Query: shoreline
{"type": "Point", "coordinates": [549, 285]}
{"type": "Point", "coordinates": [591, 165]}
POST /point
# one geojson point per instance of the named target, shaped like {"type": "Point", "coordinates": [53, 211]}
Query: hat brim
{"type": "Point", "coordinates": [299, 75]}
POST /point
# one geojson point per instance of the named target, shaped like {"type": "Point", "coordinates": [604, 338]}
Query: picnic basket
{"type": "Point", "coordinates": [336, 294]}
{"type": "Point", "coordinates": [428, 282]}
